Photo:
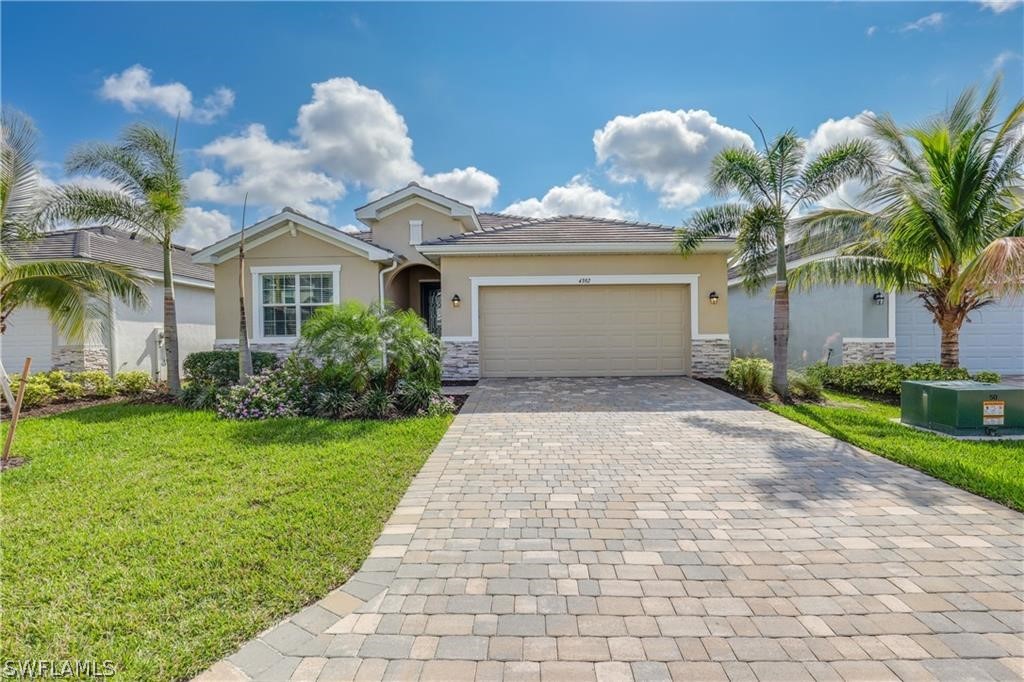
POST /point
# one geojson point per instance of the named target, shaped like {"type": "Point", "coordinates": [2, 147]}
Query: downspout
{"type": "Point", "coordinates": [384, 345]}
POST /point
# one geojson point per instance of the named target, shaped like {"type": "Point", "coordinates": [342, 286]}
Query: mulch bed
{"type": "Point", "coordinates": [61, 407]}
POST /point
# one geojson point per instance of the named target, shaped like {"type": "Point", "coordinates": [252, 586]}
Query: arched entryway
{"type": "Point", "coordinates": [417, 287]}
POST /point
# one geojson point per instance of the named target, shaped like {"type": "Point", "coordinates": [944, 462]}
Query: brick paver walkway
{"type": "Point", "coordinates": [655, 528]}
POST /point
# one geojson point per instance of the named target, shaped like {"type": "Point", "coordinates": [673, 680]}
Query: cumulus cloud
{"type": "Point", "coordinates": [134, 89]}
{"type": "Point", "coordinates": [999, 6]}
{"type": "Point", "coordinates": [929, 21]}
{"type": "Point", "coordinates": [347, 135]}
{"type": "Point", "coordinates": [834, 131]}
{"type": "Point", "coordinates": [577, 197]}
{"type": "Point", "coordinates": [202, 227]}
{"type": "Point", "coordinates": [1001, 60]}
{"type": "Point", "coordinates": [670, 151]}
{"type": "Point", "coordinates": [871, 30]}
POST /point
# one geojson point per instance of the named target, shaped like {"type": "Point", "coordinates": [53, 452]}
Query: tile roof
{"type": "Point", "coordinates": [560, 229]}
{"type": "Point", "coordinates": [108, 245]}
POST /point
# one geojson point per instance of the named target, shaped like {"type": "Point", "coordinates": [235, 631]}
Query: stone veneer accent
{"type": "Point", "coordinates": [281, 350]}
{"type": "Point", "coordinates": [868, 350]}
{"type": "Point", "coordinates": [460, 360]}
{"type": "Point", "coordinates": [80, 358]}
{"type": "Point", "coordinates": [710, 357]}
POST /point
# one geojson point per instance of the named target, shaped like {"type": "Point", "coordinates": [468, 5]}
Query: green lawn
{"type": "Point", "coordinates": [992, 469]}
{"type": "Point", "coordinates": [161, 538]}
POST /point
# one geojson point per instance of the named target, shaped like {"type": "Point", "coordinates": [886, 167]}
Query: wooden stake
{"type": "Point", "coordinates": [16, 410]}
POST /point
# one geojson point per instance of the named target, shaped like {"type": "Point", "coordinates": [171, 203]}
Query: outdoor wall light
{"type": "Point", "coordinates": [878, 298]}
{"type": "Point", "coordinates": [713, 298]}
{"type": "Point", "coordinates": [456, 301]}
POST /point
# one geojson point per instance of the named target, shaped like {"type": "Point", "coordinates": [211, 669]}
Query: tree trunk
{"type": "Point", "coordinates": [170, 326]}
{"type": "Point", "coordinates": [949, 346]}
{"type": "Point", "coordinates": [244, 353]}
{"type": "Point", "coordinates": [780, 320]}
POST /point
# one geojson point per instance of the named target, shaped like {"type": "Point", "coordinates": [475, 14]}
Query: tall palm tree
{"type": "Point", "coordinates": [774, 184]}
{"type": "Point", "coordinates": [944, 222]}
{"type": "Point", "coordinates": [71, 291]}
{"type": "Point", "coordinates": [148, 197]}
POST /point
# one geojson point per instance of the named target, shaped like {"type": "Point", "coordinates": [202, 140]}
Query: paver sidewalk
{"type": "Point", "coordinates": [617, 529]}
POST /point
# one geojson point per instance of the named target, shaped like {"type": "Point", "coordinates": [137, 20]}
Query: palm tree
{"type": "Point", "coordinates": [773, 184]}
{"type": "Point", "coordinates": [72, 291]}
{"type": "Point", "coordinates": [945, 221]}
{"type": "Point", "coordinates": [148, 197]}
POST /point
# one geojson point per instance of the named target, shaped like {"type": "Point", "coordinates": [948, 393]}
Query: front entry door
{"type": "Point", "coordinates": [430, 305]}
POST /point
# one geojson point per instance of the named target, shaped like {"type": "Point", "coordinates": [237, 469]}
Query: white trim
{"type": "Point", "coordinates": [226, 248]}
{"type": "Point", "coordinates": [892, 316]}
{"type": "Point", "coordinates": [391, 203]}
{"type": "Point", "coordinates": [415, 232]}
{"type": "Point", "coordinates": [464, 249]}
{"type": "Point", "coordinates": [158, 278]}
{"type": "Point", "coordinates": [257, 299]}
{"type": "Point", "coordinates": [585, 280]}
{"type": "Point", "coordinates": [458, 339]}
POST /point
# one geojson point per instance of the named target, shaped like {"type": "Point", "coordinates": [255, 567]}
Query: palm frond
{"type": "Point", "coordinates": [997, 271]}
{"type": "Point", "coordinates": [113, 162]}
{"type": "Point", "coordinates": [851, 160]}
{"type": "Point", "coordinates": [758, 243]}
{"type": "Point", "coordinates": [19, 177]}
{"type": "Point", "coordinates": [724, 220]}
{"type": "Point", "coordinates": [880, 273]}
{"type": "Point", "coordinates": [81, 204]}
{"type": "Point", "coordinates": [741, 170]}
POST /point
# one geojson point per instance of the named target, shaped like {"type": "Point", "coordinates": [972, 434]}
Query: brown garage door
{"type": "Point", "coordinates": [592, 330]}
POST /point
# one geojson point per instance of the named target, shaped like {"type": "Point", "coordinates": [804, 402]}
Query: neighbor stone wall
{"type": "Point", "coordinates": [80, 358]}
{"type": "Point", "coordinates": [710, 357]}
{"type": "Point", "coordinates": [460, 360]}
{"type": "Point", "coordinates": [857, 352]}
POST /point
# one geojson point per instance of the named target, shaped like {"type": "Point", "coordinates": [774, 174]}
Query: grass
{"type": "Point", "coordinates": [161, 538]}
{"type": "Point", "coordinates": [993, 469]}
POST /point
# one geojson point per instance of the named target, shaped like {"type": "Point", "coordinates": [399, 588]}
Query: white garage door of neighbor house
{"type": "Point", "coordinates": [591, 330]}
{"type": "Point", "coordinates": [992, 340]}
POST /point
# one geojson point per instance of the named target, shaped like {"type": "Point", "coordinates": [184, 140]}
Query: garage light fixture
{"type": "Point", "coordinates": [878, 298]}
{"type": "Point", "coordinates": [713, 298]}
{"type": "Point", "coordinates": [456, 301]}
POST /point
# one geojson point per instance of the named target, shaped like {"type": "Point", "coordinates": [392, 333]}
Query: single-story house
{"type": "Point", "coordinates": [509, 296]}
{"type": "Point", "coordinates": [850, 324]}
{"type": "Point", "coordinates": [127, 339]}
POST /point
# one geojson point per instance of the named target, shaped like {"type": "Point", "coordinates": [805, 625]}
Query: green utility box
{"type": "Point", "coordinates": [963, 408]}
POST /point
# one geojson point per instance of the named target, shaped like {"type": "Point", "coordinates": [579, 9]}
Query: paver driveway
{"type": "Point", "coordinates": [656, 528]}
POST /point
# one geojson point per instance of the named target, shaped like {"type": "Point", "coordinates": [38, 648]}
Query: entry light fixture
{"type": "Point", "coordinates": [878, 298]}
{"type": "Point", "coordinates": [713, 298]}
{"type": "Point", "coordinates": [456, 301]}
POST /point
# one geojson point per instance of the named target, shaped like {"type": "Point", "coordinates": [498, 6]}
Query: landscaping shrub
{"type": "Point", "coordinates": [220, 367]}
{"type": "Point", "coordinates": [95, 383]}
{"type": "Point", "coordinates": [752, 376]}
{"type": "Point", "coordinates": [132, 383]}
{"type": "Point", "coordinates": [201, 396]}
{"type": "Point", "coordinates": [275, 392]}
{"type": "Point", "coordinates": [886, 378]}
{"type": "Point", "coordinates": [37, 393]}
{"type": "Point", "coordinates": [805, 386]}
{"type": "Point", "coordinates": [988, 377]}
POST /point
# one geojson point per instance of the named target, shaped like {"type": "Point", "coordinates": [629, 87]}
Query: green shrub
{"type": "Point", "coordinates": [752, 376]}
{"type": "Point", "coordinates": [805, 386]}
{"type": "Point", "coordinates": [220, 367]}
{"type": "Point", "coordinates": [987, 377]}
{"type": "Point", "coordinates": [96, 383]}
{"type": "Point", "coordinates": [132, 383]}
{"type": "Point", "coordinates": [37, 392]}
{"type": "Point", "coordinates": [199, 396]}
{"type": "Point", "coordinates": [886, 378]}
{"type": "Point", "coordinates": [275, 392]}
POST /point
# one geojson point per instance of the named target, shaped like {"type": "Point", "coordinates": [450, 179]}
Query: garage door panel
{"type": "Point", "coordinates": [581, 331]}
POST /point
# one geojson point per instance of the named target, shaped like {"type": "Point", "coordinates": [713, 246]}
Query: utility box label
{"type": "Point", "coordinates": [993, 412]}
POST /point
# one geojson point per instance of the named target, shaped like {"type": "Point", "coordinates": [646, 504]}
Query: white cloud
{"type": "Point", "coordinates": [834, 131]}
{"type": "Point", "coordinates": [202, 227]}
{"type": "Point", "coordinates": [999, 6]}
{"type": "Point", "coordinates": [469, 185]}
{"type": "Point", "coordinates": [577, 197]}
{"type": "Point", "coordinates": [1001, 60]}
{"type": "Point", "coordinates": [929, 21]}
{"type": "Point", "coordinates": [347, 136]}
{"type": "Point", "coordinates": [134, 89]}
{"type": "Point", "coordinates": [670, 151]}
{"type": "Point", "coordinates": [871, 30]}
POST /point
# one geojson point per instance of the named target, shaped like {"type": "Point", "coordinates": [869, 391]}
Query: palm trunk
{"type": "Point", "coordinates": [780, 321]}
{"type": "Point", "coordinates": [170, 326]}
{"type": "Point", "coordinates": [244, 353]}
{"type": "Point", "coordinates": [949, 346]}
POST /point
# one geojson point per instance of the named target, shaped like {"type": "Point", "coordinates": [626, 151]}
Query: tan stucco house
{"type": "Point", "coordinates": [509, 296]}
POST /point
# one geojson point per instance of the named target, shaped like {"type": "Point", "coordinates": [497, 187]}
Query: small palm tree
{"type": "Point", "coordinates": [774, 184]}
{"type": "Point", "coordinates": [71, 291]}
{"type": "Point", "coordinates": [945, 221]}
{"type": "Point", "coordinates": [148, 197]}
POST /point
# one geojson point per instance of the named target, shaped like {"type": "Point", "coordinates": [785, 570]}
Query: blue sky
{"type": "Point", "coordinates": [608, 109]}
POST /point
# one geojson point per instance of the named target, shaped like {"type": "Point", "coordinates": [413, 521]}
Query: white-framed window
{"type": "Point", "coordinates": [287, 296]}
{"type": "Point", "coordinates": [415, 232]}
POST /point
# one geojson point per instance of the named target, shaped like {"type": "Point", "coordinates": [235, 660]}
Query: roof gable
{"type": "Point", "coordinates": [283, 223]}
{"type": "Point", "coordinates": [413, 193]}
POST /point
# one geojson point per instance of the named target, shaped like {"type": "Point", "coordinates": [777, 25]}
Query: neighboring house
{"type": "Point", "coordinates": [852, 324]}
{"type": "Point", "coordinates": [127, 339]}
{"type": "Point", "coordinates": [509, 296]}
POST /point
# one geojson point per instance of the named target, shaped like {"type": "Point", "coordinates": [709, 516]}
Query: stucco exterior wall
{"type": "Point", "coordinates": [359, 276]}
{"type": "Point", "coordinates": [392, 232]}
{"type": "Point", "coordinates": [819, 321]}
{"type": "Point", "coordinates": [456, 272]}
